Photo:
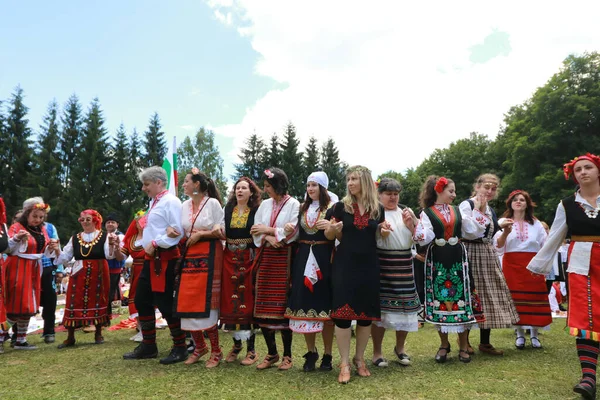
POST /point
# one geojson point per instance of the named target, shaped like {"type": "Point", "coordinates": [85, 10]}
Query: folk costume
{"type": "Point", "coordinates": [451, 303]}
{"type": "Point", "coordinates": [156, 281]}
{"type": "Point", "coordinates": [398, 296]}
{"type": "Point", "coordinates": [528, 291]}
{"type": "Point", "coordinates": [237, 290]}
{"type": "Point", "coordinates": [3, 249]}
{"type": "Point", "coordinates": [272, 271]}
{"type": "Point", "coordinates": [198, 283]}
{"type": "Point", "coordinates": [497, 304]}
{"type": "Point", "coordinates": [355, 271]}
{"type": "Point", "coordinates": [310, 299]}
{"type": "Point", "coordinates": [131, 247]}
{"type": "Point", "coordinates": [22, 278]}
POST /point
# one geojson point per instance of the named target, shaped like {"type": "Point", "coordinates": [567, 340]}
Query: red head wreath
{"type": "Point", "coordinates": [96, 218]}
{"type": "Point", "coordinates": [440, 184]}
{"type": "Point", "coordinates": [568, 167]}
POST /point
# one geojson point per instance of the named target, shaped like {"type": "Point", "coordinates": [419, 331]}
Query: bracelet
{"type": "Point", "coordinates": [154, 244]}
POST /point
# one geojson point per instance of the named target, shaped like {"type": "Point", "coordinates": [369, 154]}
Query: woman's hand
{"type": "Point", "coordinates": [172, 232]}
{"type": "Point", "coordinates": [194, 238]}
{"type": "Point", "coordinates": [322, 224]}
{"type": "Point", "coordinates": [22, 235]}
{"type": "Point", "coordinates": [507, 226]}
{"type": "Point", "coordinates": [480, 202]}
{"type": "Point", "coordinates": [337, 226]}
{"type": "Point", "coordinates": [149, 249]}
{"type": "Point", "coordinates": [273, 241]}
{"type": "Point", "coordinates": [217, 232]}
{"type": "Point", "coordinates": [289, 228]}
{"type": "Point", "coordinates": [259, 229]}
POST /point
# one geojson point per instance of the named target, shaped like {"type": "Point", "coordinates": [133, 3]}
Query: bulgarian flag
{"type": "Point", "coordinates": [170, 165]}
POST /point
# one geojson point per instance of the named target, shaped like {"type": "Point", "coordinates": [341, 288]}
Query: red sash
{"type": "Point", "coordinates": [158, 280]}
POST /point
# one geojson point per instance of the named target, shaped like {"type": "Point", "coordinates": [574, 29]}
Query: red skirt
{"type": "Point", "coordinates": [528, 290]}
{"type": "Point", "coordinates": [3, 325]}
{"type": "Point", "coordinates": [22, 279]}
{"type": "Point", "coordinates": [198, 286]}
{"type": "Point", "coordinates": [237, 297]}
{"type": "Point", "coordinates": [272, 283]}
{"type": "Point", "coordinates": [583, 318]}
{"type": "Point", "coordinates": [87, 296]}
{"type": "Point", "coordinates": [136, 270]}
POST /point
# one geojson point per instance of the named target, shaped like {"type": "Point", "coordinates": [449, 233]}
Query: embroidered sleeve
{"type": "Point", "coordinates": [66, 255]}
{"type": "Point", "coordinates": [473, 223]}
{"type": "Point", "coordinates": [259, 218]}
{"type": "Point", "coordinates": [542, 262]}
{"type": "Point", "coordinates": [293, 209]}
{"type": "Point", "coordinates": [424, 233]}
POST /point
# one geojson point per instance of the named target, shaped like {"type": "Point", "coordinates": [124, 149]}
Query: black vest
{"type": "Point", "coordinates": [577, 220]}
{"type": "Point", "coordinates": [438, 228]}
{"type": "Point", "coordinates": [95, 253]}
{"type": "Point", "coordinates": [238, 233]}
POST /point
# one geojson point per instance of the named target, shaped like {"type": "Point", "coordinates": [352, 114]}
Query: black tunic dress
{"type": "Point", "coordinates": [305, 304]}
{"type": "Point", "coordinates": [355, 275]}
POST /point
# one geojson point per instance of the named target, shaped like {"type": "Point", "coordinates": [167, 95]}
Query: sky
{"type": "Point", "coordinates": [390, 81]}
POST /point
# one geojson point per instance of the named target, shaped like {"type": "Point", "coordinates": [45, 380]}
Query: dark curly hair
{"type": "Point", "coordinates": [279, 181]}
{"type": "Point", "coordinates": [428, 194]}
{"type": "Point", "coordinates": [255, 197]}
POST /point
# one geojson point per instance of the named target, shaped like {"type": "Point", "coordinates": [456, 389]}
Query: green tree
{"type": "Point", "coordinates": [19, 153]}
{"type": "Point", "coordinates": [312, 157]}
{"type": "Point", "coordinates": [252, 158]}
{"type": "Point", "coordinates": [273, 153]}
{"type": "Point", "coordinates": [120, 167]}
{"type": "Point", "coordinates": [202, 153]}
{"type": "Point", "coordinates": [137, 198]}
{"type": "Point", "coordinates": [70, 137]}
{"type": "Point", "coordinates": [291, 161]}
{"type": "Point", "coordinates": [90, 186]}
{"type": "Point", "coordinates": [559, 122]}
{"type": "Point", "coordinates": [48, 164]}
{"type": "Point", "coordinates": [4, 150]}
{"type": "Point", "coordinates": [334, 167]}
{"type": "Point", "coordinates": [155, 144]}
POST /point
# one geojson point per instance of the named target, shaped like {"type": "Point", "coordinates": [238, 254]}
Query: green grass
{"type": "Point", "coordinates": [98, 372]}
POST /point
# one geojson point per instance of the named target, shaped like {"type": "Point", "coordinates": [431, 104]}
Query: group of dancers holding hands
{"type": "Point", "coordinates": [316, 266]}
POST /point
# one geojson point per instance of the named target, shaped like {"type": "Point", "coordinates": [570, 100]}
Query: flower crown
{"type": "Point", "coordinates": [514, 193]}
{"type": "Point", "coordinates": [358, 168]}
{"type": "Point", "coordinates": [139, 214]}
{"type": "Point", "coordinates": [42, 206]}
{"type": "Point", "coordinates": [195, 171]}
{"type": "Point", "coordinates": [568, 167]}
{"type": "Point", "coordinates": [269, 174]}
{"type": "Point", "coordinates": [440, 185]}
{"type": "Point", "coordinates": [377, 183]}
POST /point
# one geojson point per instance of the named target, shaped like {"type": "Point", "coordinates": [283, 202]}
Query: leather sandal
{"type": "Point", "coordinates": [344, 376]}
{"type": "Point", "coordinates": [233, 354]}
{"type": "Point", "coordinates": [268, 362]}
{"type": "Point", "coordinates": [195, 357]}
{"type": "Point", "coordinates": [286, 363]}
{"type": "Point", "coordinates": [470, 348]}
{"type": "Point", "coordinates": [465, 359]}
{"type": "Point", "coordinates": [214, 359]}
{"type": "Point", "coordinates": [361, 367]}
{"type": "Point", "coordinates": [251, 358]}
{"type": "Point", "coordinates": [440, 359]}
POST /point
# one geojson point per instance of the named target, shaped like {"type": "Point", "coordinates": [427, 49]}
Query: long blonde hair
{"type": "Point", "coordinates": [369, 197]}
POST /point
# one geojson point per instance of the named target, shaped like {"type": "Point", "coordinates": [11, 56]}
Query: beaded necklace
{"type": "Point", "coordinates": [88, 245]}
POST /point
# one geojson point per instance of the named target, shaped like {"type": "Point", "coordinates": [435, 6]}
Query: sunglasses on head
{"type": "Point", "coordinates": [84, 219]}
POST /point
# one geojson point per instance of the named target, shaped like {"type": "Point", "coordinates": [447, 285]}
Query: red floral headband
{"type": "Point", "coordinates": [440, 184]}
{"type": "Point", "coordinates": [514, 193]}
{"type": "Point", "coordinates": [96, 218]}
{"type": "Point", "coordinates": [568, 167]}
{"type": "Point", "coordinates": [42, 206]}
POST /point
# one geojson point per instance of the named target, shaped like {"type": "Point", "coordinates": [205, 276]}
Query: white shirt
{"type": "Point", "coordinates": [400, 238]}
{"type": "Point", "coordinates": [67, 253]}
{"type": "Point", "coordinates": [211, 215]}
{"type": "Point", "coordinates": [476, 230]}
{"type": "Point", "coordinates": [166, 213]}
{"type": "Point", "coordinates": [289, 213]}
{"type": "Point", "coordinates": [523, 238]}
{"type": "Point", "coordinates": [542, 262]}
{"type": "Point", "coordinates": [473, 224]}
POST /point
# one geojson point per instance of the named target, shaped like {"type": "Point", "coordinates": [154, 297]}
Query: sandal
{"type": "Point", "coordinates": [195, 356]}
{"type": "Point", "coordinates": [403, 358]}
{"type": "Point", "coordinates": [520, 343]}
{"type": "Point", "coordinates": [344, 376]}
{"type": "Point", "coordinates": [470, 348]}
{"type": "Point", "coordinates": [286, 363]}
{"type": "Point", "coordinates": [67, 343]}
{"type": "Point", "coordinates": [381, 362]}
{"type": "Point", "coordinates": [361, 367]}
{"type": "Point", "coordinates": [233, 354]}
{"type": "Point", "coordinates": [268, 361]}
{"type": "Point", "coordinates": [214, 359]}
{"type": "Point", "coordinates": [439, 358]}
{"type": "Point", "coordinates": [490, 349]}
{"type": "Point", "coordinates": [251, 358]}
{"type": "Point", "coordinates": [462, 358]}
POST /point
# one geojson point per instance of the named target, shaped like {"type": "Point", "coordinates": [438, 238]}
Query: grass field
{"type": "Point", "coordinates": [91, 371]}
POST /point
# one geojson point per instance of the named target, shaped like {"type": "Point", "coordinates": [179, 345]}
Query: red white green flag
{"type": "Point", "coordinates": [170, 165]}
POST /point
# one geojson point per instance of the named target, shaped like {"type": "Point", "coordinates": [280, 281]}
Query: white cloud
{"type": "Point", "coordinates": [391, 81]}
{"type": "Point", "coordinates": [187, 127]}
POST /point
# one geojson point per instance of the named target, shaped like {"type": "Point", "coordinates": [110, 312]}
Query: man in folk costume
{"type": "Point", "coordinates": [156, 282]}
{"type": "Point", "coordinates": [115, 267]}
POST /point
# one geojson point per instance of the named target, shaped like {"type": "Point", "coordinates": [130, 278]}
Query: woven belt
{"type": "Point", "coordinates": [584, 238]}
{"type": "Point", "coordinates": [314, 242]}
{"type": "Point", "coordinates": [239, 241]}
{"type": "Point", "coordinates": [238, 244]}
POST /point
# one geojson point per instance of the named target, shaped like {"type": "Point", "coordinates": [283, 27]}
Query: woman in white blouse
{"type": "Point", "coordinates": [198, 282]}
{"type": "Point", "coordinates": [522, 237]}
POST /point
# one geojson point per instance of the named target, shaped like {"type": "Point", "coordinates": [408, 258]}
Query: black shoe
{"type": "Point", "coordinates": [142, 352]}
{"type": "Point", "coordinates": [586, 390]}
{"type": "Point", "coordinates": [462, 358]}
{"type": "Point", "coordinates": [326, 363]}
{"type": "Point", "coordinates": [191, 347]}
{"type": "Point", "coordinates": [442, 359]}
{"type": "Point", "coordinates": [177, 354]}
{"type": "Point", "coordinates": [24, 346]}
{"type": "Point", "coordinates": [50, 338]}
{"type": "Point", "coordinates": [311, 360]}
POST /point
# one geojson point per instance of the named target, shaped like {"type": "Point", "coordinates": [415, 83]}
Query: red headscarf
{"type": "Point", "coordinates": [96, 218]}
{"type": "Point", "coordinates": [2, 211]}
{"type": "Point", "coordinates": [568, 167]}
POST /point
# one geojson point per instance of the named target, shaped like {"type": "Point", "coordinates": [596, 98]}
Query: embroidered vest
{"type": "Point", "coordinates": [441, 227]}
{"type": "Point", "coordinates": [95, 253]}
{"type": "Point", "coordinates": [577, 221]}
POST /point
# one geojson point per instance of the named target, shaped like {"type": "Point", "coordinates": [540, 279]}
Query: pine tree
{"type": "Point", "coordinates": [253, 159]}
{"type": "Point", "coordinates": [333, 167]}
{"type": "Point", "coordinates": [90, 185]}
{"type": "Point", "coordinates": [4, 148]}
{"type": "Point", "coordinates": [120, 167]}
{"type": "Point", "coordinates": [203, 154]}
{"type": "Point", "coordinates": [48, 164]}
{"type": "Point", "coordinates": [137, 199]}
{"type": "Point", "coordinates": [155, 144]}
{"type": "Point", "coordinates": [70, 137]}
{"type": "Point", "coordinates": [273, 153]}
{"type": "Point", "coordinates": [19, 155]}
{"type": "Point", "coordinates": [291, 161]}
{"type": "Point", "coordinates": [311, 160]}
